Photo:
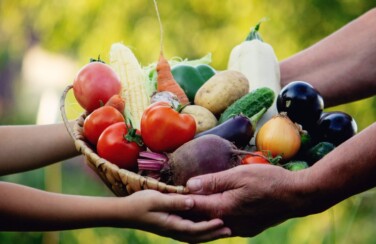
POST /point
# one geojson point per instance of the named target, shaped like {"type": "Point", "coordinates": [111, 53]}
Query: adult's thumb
{"type": "Point", "coordinates": [211, 183]}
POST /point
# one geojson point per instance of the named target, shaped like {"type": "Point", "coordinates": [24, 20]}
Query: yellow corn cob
{"type": "Point", "coordinates": [133, 80]}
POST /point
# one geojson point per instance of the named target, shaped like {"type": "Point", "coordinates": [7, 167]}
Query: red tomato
{"type": "Point", "coordinates": [115, 145]}
{"type": "Point", "coordinates": [255, 159]}
{"type": "Point", "coordinates": [94, 84]}
{"type": "Point", "coordinates": [99, 120]}
{"type": "Point", "coordinates": [164, 129]}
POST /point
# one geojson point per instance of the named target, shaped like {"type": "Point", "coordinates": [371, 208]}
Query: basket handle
{"type": "Point", "coordinates": [63, 112]}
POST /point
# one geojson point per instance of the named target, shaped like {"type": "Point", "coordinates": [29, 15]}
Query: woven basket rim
{"type": "Point", "coordinates": [121, 182]}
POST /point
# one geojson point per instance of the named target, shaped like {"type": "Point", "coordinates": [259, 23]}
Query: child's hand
{"type": "Point", "coordinates": [153, 211]}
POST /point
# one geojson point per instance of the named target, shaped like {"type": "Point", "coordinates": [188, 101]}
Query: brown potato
{"type": "Point", "coordinates": [203, 117]}
{"type": "Point", "coordinates": [221, 90]}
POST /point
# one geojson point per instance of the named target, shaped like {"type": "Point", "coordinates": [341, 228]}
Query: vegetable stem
{"type": "Point", "coordinates": [160, 26]}
{"type": "Point", "coordinates": [151, 161]}
{"type": "Point", "coordinates": [146, 164]}
{"type": "Point", "coordinates": [254, 34]}
{"type": "Point", "coordinates": [132, 135]}
{"type": "Point", "coordinates": [255, 118]}
{"type": "Point", "coordinates": [154, 156]}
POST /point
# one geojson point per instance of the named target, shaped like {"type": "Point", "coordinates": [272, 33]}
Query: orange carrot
{"type": "Point", "coordinates": [165, 79]}
{"type": "Point", "coordinates": [117, 102]}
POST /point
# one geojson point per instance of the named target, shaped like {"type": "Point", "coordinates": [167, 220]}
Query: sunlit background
{"type": "Point", "coordinates": [44, 43]}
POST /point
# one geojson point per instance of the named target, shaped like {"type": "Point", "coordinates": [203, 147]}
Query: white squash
{"type": "Point", "coordinates": [257, 61]}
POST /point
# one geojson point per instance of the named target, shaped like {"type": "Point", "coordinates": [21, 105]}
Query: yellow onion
{"type": "Point", "coordinates": [279, 136]}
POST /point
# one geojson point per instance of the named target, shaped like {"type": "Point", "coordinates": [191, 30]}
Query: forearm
{"type": "Point", "coordinates": [346, 171]}
{"type": "Point", "coordinates": [341, 66]}
{"type": "Point", "coordinates": [33, 146]}
{"type": "Point", "coordinates": [27, 209]}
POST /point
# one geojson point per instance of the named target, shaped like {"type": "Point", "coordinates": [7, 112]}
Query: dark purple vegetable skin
{"type": "Point", "coordinates": [202, 155]}
{"type": "Point", "coordinates": [238, 129]}
{"type": "Point", "coordinates": [302, 103]}
{"type": "Point", "coordinates": [336, 127]}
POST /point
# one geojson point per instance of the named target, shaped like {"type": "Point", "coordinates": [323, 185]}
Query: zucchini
{"type": "Point", "coordinates": [250, 104]}
{"type": "Point", "coordinates": [318, 151]}
{"type": "Point", "coordinates": [256, 59]}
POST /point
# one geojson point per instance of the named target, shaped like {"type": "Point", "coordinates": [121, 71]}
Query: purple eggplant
{"type": "Point", "coordinates": [239, 129]}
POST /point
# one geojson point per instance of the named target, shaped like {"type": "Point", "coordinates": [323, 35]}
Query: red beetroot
{"type": "Point", "coordinates": [202, 155]}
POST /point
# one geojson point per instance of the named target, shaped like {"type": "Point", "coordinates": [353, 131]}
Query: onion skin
{"type": "Point", "coordinates": [280, 136]}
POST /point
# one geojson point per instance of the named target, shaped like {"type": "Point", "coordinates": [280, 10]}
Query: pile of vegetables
{"type": "Point", "coordinates": [175, 119]}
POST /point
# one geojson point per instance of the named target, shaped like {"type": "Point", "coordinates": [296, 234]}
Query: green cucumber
{"type": "Point", "coordinates": [318, 151]}
{"type": "Point", "coordinates": [296, 165]}
{"type": "Point", "coordinates": [306, 141]}
{"type": "Point", "coordinates": [249, 104]}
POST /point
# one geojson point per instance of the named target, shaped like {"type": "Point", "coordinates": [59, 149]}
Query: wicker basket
{"type": "Point", "coordinates": [120, 181]}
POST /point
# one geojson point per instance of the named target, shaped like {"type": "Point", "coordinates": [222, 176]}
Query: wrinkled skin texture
{"type": "Point", "coordinates": [242, 197]}
{"type": "Point", "coordinates": [255, 197]}
{"type": "Point", "coordinates": [251, 198]}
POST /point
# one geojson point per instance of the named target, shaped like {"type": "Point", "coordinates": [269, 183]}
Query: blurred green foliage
{"type": "Point", "coordinates": [81, 29]}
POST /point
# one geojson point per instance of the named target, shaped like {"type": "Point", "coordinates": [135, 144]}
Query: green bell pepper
{"type": "Point", "coordinates": [191, 78]}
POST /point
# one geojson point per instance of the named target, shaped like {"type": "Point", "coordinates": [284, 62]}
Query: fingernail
{"type": "Point", "coordinates": [194, 185]}
{"type": "Point", "coordinates": [226, 232]}
{"type": "Point", "coordinates": [189, 203]}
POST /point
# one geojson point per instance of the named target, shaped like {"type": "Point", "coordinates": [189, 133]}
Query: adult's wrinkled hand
{"type": "Point", "coordinates": [249, 198]}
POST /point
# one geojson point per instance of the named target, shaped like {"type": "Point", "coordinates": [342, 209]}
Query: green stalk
{"type": "Point", "coordinates": [256, 117]}
{"type": "Point", "coordinates": [254, 34]}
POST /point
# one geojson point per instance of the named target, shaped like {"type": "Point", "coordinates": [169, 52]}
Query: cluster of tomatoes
{"type": "Point", "coordinates": [163, 128]}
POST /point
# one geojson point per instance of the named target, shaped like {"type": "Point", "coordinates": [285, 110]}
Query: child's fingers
{"type": "Point", "coordinates": [172, 203]}
{"type": "Point", "coordinates": [222, 232]}
{"type": "Point", "coordinates": [203, 231]}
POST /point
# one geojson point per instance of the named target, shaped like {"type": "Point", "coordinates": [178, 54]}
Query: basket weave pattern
{"type": "Point", "coordinates": [120, 181]}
